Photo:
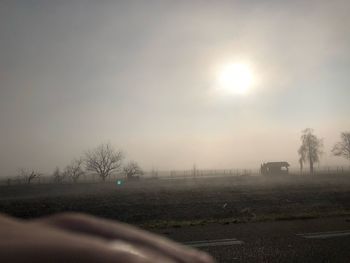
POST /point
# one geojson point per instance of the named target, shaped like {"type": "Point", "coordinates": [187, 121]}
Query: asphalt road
{"type": "Point", "coordinates": [311, 240]}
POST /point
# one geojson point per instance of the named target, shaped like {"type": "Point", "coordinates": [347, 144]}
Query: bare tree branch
{"type": "Point", "coordinates": [103, 160]}
{"type": "Point", "coordinates": [310, 149]}
{"type": "Point", "coordinates": [27, 175]}
{"type": "Point", "coordinates": [74, 170]}
{"type": "Point", "coordinates": [132, 170]}
{"type": "Point", "coordinates": [342, 148]}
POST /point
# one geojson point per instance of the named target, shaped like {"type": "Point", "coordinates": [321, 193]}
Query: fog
{"type": "Point", "coordinates": [141, 75]}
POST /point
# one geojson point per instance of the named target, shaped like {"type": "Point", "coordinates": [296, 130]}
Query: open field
{"type": "Point", "coordinates": [161, 203]}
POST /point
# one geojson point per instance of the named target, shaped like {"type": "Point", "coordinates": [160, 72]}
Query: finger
{"type": "Point", "coordinates": [112, 230]}
{"type": "Point", "coordinates": [6, 219]}
{"type": "Point", "coordinates": [139, 251]}
{"type": "Point", "coordinates": [34, 242]}
{"type": "Point", "coordinates": [84, 251]}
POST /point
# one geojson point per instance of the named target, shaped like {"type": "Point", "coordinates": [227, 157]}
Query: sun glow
{"type": "Point", "coordinates": [235, 78]}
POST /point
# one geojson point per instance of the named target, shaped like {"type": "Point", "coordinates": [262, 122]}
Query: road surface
{"type": "Point", "coordinates": [311, 240]}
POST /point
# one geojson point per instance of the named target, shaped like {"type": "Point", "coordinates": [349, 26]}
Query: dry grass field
{"type": "Point", "coordinates": [163, 203]}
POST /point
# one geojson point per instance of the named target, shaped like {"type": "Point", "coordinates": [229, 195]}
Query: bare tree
{"type": "Point", "coordinates": [310, 149]}
{"type": "Point", "coordinates": [27, 175]}
{"type": "Point", "coordinates": [103, 160]}
{"type": "Point", "coordinates": [132, 171]}
{"type": "Point", "coordinates": [74, 170]}
{"type": "Point", "coordinates": [342, 148]}
{"type": "Point", "coordinates": [301, 164]}
{"type": "Point", "coordinates": [58, 176]}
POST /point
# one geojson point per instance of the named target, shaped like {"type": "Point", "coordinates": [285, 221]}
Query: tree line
{"type": "Point", "coordinates": [311, 148]}
{"type": "Point", "coordinates": [103, 160]}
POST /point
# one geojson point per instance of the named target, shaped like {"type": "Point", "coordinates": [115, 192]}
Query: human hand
{"type": "Point", "coordinates": [82, 238]}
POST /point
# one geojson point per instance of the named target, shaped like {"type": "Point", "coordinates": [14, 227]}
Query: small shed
{"type": "Point", "coordinates": [274, 168]}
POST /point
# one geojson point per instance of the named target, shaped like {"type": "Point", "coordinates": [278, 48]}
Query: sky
{"type": "Point", "coordinates": [142, 76]}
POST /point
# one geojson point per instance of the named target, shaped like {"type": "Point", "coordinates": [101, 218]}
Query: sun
{"type": "Point", "coordinates": [235, 78]}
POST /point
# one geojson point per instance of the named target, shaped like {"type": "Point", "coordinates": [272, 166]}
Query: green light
{"type": "Point", "coordinates": [119, 182]}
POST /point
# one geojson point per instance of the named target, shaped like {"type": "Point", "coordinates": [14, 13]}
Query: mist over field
{"type": "Point", "coordinates": [174, 131]}
{"type": "Point", "coordinates": [143, 76]}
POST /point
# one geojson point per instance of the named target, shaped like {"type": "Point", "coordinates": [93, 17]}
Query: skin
{"type": "Point", "coordinates": [72, 237]}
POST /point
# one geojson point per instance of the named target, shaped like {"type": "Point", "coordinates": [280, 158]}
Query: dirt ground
{"type": "Point", "coordinates": [192, 201]}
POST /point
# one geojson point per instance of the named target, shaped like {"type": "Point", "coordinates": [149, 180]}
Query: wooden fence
{"type": "Point", "coordinates": [170, 174]}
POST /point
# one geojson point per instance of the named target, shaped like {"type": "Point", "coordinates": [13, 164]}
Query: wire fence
{"type": "Point", "coordinates": [168, 175]}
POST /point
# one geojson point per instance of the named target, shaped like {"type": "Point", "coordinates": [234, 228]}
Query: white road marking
{"type": "Point", "coordinates": [324, 235]}
{"type": "Point", "coordinates": [214, 243]}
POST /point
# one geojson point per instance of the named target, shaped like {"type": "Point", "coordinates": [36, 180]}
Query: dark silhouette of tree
{"type": "Point", "coordinates": [310, 149]}
{"type": "Point", "coordinates": [132, 171]}
{"type": "Point", "coordinates": [74, 170]}
{"type": "Point", "coordinates": [103, 160]}
{"type": "Point", "coordinates": [301, 164]}
{"type": "Point", "coordinates": [342, 148]}
{"type": "Point", "coordinates": [58, 176]}
{"type": "Point", "coordinates": [28, 176]}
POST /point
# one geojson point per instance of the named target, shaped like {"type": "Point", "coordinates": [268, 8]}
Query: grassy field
{"type": "Point", "coordinates": [163, 203]}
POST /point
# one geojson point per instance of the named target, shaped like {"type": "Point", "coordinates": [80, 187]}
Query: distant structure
{"type": "Point", "coordinates": [274, 168]}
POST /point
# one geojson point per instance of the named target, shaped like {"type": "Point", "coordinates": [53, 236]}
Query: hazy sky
{"type": "Point", "coordinates": [142, 76]}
